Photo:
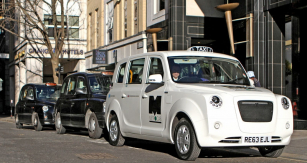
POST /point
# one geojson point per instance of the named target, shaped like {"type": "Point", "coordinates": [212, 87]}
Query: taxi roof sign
{"type": "Point", "coordinates": [50, 84]}
{"type": "Point", "coordinates": [107, 72]}
{"type": "Point", "coordinates": [201, 48]}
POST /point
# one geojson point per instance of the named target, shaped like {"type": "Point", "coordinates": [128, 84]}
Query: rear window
{"type": "Point", "coordinates": [100, 84]}
{"type": "Point", "coordinates": [48, 92]}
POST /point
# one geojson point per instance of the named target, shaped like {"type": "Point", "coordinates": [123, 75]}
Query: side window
{"type": "Point", "coordinates": [135, 71]}
{"type": "Point", "coordinates": [64, 87]}
{"type": "Point", "coordinates": [23, 93]}
{"type": "Point", "coordinates": [121, 73]}
{"type": "Point", "coordinates": [30, 92]}
{"type": "Point", "coordinates": [81, 83]}
{"type": "Point", "coordinates": [155, 67]}
{"type": "Point", "coordinates": [71, 86]}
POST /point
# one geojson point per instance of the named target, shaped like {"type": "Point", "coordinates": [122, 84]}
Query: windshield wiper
{"type": "Point", "coordinates": [211, 81]}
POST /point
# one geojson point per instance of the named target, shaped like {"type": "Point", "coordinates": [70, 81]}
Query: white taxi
{"type": "Point", "coordinates": [195, 100]}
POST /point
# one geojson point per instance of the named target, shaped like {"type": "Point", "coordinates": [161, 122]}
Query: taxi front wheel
{"type": "Point", "coordinates": [115, 136]}
{"type": "Point", "coordinates": [94, 131]}
{"type": "Point", "coordinates": [273, 151]}
{"type": "Point", "coordinates": [36, 123]}
{"type": "Point", "coordinates": [185, 141]}
{"type": "Point", "coordinates": [58, 124]}
{"type": "Point", "coordinates": [18, 124]}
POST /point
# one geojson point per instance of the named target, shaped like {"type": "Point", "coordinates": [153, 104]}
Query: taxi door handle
{"type": "Point", "coordinates": [144, 96]}
{"type": "Point", "coordinates": [124, 96]}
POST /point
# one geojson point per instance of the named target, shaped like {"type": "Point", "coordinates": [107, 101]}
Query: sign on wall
{"type": "Point", "coordinates": [100, 56]}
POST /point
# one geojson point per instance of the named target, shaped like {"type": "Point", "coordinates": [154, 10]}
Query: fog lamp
{"type": "Point", "coordinates": [287, 125]}
{"type": "Point", "coordinates": [217, 125]}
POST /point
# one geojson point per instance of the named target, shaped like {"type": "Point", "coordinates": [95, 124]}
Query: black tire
{"type": "Point", "coordinates": [271, 151]}
{"type": "Point", "coordinates": [94, 131]}
{"type": "Point", "coordinates": [18, 124]}
{"type": "Point", "coordinates": [58, 124]}
{"type": "Point", "coordinates": [115, 136]}
{"type": "Point", "coordinates": [185, 141]}
{"type": "Point", "coordinates": [36, 122]}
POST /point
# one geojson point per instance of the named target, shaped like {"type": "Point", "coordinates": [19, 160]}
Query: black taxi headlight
{"type": "Point", "coordinates": [104, 107]}
{"type": "Point", "coordinates": [45, 108]}
{"type": "Point", "coordinates": [285, 103]}
{"type": "Point", "coordinates": [216, 101]}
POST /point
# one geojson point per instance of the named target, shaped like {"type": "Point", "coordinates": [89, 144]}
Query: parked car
{"type": "Point", "coordinates": [82, 103]}
{"type": "Point", "coordinates": [36, 105]}
{"type": "Point", "coordinates": [195, 100]}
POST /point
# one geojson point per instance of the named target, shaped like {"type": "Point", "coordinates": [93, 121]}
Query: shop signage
{"type": "Point", "coordinates": [100, 56]}
{"type": "Point", "coordinates": [64, 51]}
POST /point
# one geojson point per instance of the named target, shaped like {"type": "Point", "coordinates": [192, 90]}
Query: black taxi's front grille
{"type": "Point", "coordinates": [256, 111]}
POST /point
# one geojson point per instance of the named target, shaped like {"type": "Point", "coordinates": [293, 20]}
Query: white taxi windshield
{"type": "Point", "coordinates": [200, 69]}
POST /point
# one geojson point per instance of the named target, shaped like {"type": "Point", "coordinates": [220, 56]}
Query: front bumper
{"type": "Point", "coordinates": [46, 118]}
{"type": "Point", "coordinates": [228, 134]}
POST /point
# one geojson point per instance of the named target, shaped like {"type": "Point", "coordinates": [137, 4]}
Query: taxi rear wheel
{"type": "Point", "coordinates": [273, 151]}
{"type": "Point", "coordinates": [115, 136]}
{"type": "Point", "coordinates": [36, 123]}
{"type": "Point", "coordinates": [18, 125]}
{"type": "Point", "coordinates": [94, 131]}
{"type": "Point", "coordinates": [185, 141]}
{"type": "Point", "coordinates": [58, 125]}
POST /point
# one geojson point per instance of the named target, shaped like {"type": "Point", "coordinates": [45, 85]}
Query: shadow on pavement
{"type": "Point", "coordinates": [205, 153]}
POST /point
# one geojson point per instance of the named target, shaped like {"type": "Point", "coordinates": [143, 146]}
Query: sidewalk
{"type": "Point", "coordinates": [7, 118]}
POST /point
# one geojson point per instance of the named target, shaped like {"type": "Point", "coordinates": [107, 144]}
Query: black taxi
{"type": "Point", "coordinates": [36, 105]}
{"type": "Point", "coordinates": [82, 102]}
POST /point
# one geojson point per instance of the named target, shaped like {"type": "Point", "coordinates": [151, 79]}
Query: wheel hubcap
{"type": "Point", "coordinates": [58, 122]}
{"type": "Point", "coordinates": [16, 119]}
{"type": "Point", "coordinates": [183, 139]}
{"type": "Point", "coordinates": [35, 121]}
{"type": "Point", "coordinates": [113, 131]}
{"type": "Point", "coordinates": [92, 123]}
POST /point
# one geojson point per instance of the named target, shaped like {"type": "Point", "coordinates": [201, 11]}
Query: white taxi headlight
{"type": "Point", "coordinates": [285, 103]}
{"type": "Point", "coordinates": [45, 108]}
{"type": "Point", "coordinates": [104, 107]}
{"type": "Point", "coordinates": [216, 101]}
{"type": "Point", "coordinates": [287, 125]}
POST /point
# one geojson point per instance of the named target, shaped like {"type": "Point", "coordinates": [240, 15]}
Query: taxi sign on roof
{"type": "Point", "coordinates": [200, 48]}
{"type": "Point", "coordinates": [50, 84]}
{"type": "Point", "coordinates": [107, 73]}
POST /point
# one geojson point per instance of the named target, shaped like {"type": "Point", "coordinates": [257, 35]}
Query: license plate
{"type": "Point", "coordinates": [256, 139]}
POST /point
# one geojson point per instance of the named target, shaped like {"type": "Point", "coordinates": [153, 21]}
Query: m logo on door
{"type": "Point", "coordinates": [155, 109]}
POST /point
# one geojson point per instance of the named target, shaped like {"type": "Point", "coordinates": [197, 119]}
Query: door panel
{"type": "Point", "coordinates": [21, 105]}
{"type": "Point", "coordinates": [153, 115]}
{"type": "Point", "coordinates": [29, 106]}
{"type": "Point", "coordinates": [78, 103]}
{"type": "Point", "coordinates": [131, 96]}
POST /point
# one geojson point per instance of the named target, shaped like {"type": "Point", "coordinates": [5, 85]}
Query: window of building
{"type": "Point", "coordinates": [135, 16]}
{"type": "Point", "coordinates": [109, 24]}
{"type": "Point", "coordinates": [125, 10]}
{"type": "Point", "coordinates": [73, 25]}
{"type": "Point", "coordinates": [159, 5]}
{"type": "Point", "coordinates": [97, 28]}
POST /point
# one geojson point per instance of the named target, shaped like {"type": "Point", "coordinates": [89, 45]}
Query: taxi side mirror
{"type": "Point", "coordinates": [81, 91]}
{"type": "Point", "coordinates": [29, 97]}
{"type": "Point", "coordinates": [155, 78]}
{"type": "Point", "coordinates": [252, 84]}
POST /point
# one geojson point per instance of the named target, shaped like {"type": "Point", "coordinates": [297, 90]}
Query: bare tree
{"type": "Point", "coordinates": [26, 20]}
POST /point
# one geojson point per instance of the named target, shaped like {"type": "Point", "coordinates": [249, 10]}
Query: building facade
{"type": "Point", "coordinates": [31, 63]}
{"type": "Point", "coordinates": [116, 29]}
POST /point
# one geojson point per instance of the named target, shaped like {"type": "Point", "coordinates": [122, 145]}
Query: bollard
{"type": "Point", "coordinates": [11, 113]}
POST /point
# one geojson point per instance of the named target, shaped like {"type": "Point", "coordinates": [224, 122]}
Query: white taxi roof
{"type": "Point", "coordinates": [185, 53]}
